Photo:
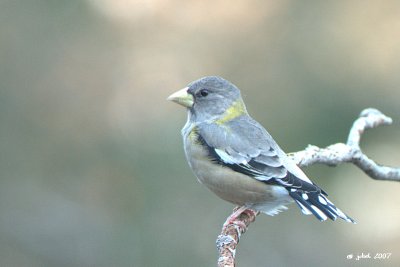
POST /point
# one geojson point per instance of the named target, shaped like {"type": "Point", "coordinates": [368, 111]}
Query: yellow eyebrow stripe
{"type": "Point", "coordinates": [235, 110]}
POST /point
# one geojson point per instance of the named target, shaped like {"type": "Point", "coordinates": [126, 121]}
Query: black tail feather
{"type": "Point", "coordinates": [317, 204]}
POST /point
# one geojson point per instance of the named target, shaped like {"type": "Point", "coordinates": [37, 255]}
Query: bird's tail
{"type": "Point", "coordinates": [318, 204]}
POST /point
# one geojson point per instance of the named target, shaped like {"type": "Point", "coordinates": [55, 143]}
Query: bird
{"type": "Point", "coordinates": [236, 158]}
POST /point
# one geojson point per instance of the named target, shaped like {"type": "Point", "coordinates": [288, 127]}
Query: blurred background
{"type": "Point", "coordinates": [92, 170]}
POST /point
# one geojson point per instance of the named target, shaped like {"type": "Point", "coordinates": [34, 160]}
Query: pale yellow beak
{"type": "Point", "coordinates": [182, 98]}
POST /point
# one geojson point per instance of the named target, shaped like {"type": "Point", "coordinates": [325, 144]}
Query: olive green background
{"type": "Point", "coordinates": [92, 171]}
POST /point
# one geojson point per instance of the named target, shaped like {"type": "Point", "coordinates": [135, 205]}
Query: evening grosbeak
{"type": "Point", "coordinates": [237, 159]}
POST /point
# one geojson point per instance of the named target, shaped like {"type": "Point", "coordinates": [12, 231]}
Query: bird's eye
{"type": "Point", "coordinates": [204, 92]}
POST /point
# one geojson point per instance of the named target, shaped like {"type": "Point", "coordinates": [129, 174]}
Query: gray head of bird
{"type": "Point", "coordinates": [210, 98]}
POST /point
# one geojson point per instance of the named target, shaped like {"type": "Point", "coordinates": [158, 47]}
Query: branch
{"type": "Point", "coordinates": [351, 151]}
{"type": "Point", "coordinates": [228, 240]}
{"type": "Point", "coordinates": [332, 155]}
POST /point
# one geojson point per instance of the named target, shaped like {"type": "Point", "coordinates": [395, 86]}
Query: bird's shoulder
{"type": "Point", "coordinates": [243, 134]}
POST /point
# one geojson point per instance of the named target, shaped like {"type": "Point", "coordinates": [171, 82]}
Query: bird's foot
{"type": "Point", "coordinates": [233, 218]}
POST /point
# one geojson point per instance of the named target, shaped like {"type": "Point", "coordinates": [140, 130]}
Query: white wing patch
{"type": "Point", "coordinates": [225, 156]}
{"type": "Point", "coordinates": [228, 158]}
{"type": "Point", "coordinates": [295, 170]}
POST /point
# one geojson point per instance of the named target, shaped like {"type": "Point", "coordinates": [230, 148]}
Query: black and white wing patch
{"type": "Point", "coordinates": [266, 166]}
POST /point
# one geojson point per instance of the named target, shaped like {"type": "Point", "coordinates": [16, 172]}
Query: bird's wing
{"type": "Point", "coordinates": [243, 145]}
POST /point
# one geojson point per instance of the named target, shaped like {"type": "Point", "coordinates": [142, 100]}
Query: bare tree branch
{"type": "Point", "coordinates": [332, 155]}
{"type": "Point", "coordinates": [228, 240]}
{"type": "Point", "coordinates": [351, 151]}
